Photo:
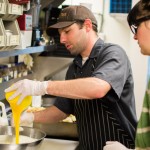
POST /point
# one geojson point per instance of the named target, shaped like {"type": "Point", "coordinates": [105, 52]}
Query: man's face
{"type": "Point", "coordinates": [143, 37]}
{"type": "Point", "coordinates": [74, 38]}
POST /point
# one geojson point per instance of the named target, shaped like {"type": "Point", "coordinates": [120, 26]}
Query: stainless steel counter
{"type": "Point", "coordinates": [55, 144]}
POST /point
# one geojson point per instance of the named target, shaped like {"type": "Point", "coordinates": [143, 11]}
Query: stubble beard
{"type": "Point", "coordinates": [77, 50]}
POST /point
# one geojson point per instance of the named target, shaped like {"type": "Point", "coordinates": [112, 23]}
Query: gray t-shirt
{"type": "Point", "coordinates": [108, 62]}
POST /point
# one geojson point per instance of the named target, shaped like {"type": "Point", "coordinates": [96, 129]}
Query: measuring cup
{"type": "Point", "coordinates": [3, 117]}
{"type": "Point", "coordinates": [18, 109]}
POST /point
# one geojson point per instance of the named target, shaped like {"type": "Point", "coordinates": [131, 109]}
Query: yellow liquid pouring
{"type": "Point", "coordinates": [17, 110]}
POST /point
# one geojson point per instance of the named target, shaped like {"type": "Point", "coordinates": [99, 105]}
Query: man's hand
{"type": "Point", "coordinates": [26, 119]}
{"type": "Point", "coordinates": [27, 87]}
{"type": "Point", "coordinates": [114, 145]}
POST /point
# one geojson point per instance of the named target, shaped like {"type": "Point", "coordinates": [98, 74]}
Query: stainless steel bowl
{"type": "Point", "coordinates": [26, 131]}
{"type": "Point", "coordinates": [59, 130]}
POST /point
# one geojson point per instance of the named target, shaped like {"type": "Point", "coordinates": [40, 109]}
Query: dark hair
{"type": "Point", "coordinates": [81, 22]}
{"type": "Point", "coordinates": [146, 4]}
{"type": "Point", "coordinates": [141, 9]}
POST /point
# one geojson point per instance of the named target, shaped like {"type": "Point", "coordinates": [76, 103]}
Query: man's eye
{"type": "Point", "coordinates": [67, 31]}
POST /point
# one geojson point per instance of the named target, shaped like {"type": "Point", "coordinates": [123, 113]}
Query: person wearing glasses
{"type": "Point", "coordinates": [139, 22]}
{"type": "Point", "coordinates": [98, 88]}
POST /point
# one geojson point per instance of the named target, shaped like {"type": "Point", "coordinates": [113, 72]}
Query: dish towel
{"type": "Point", "coordinates": [142, 140]}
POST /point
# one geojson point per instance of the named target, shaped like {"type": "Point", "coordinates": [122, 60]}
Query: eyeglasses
{"type": "Point", "coordinates": [134, 27]}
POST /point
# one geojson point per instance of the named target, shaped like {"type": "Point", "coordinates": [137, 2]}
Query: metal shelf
{"type": "Point", "coordinates": [16, 52]}
{"type": "Point", "coordinates": [28, 50]}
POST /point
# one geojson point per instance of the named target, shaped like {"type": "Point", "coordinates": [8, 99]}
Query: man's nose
{"type": "Point", "coordinates": [62, 39]}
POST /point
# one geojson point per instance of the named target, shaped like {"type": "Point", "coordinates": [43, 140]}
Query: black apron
{"type": "Point", "coordinates": [96, 123]}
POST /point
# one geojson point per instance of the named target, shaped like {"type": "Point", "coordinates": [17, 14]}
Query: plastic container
{"type": "Point", "coordinates": [2, 9]}
{"type": "Point", "coordinates": [2, 35]}
{"type": "Point", "coordinates": [3, 117]}
{"type": "Point", "coordinates": [14, 37]}
{"type": "Point", "coordinates": [9, 33]}
{"type": "Point", "coordinates": [12, 11]}
{"type": "Point", "coordinates": [26, 38]}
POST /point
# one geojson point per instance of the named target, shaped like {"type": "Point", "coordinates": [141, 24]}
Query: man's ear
{"type": "Point", "coordinates": [88, 24]}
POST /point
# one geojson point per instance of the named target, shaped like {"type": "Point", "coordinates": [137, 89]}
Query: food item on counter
{"type": "Point", "coordinates": [71, 118]}
{"type": "Point", "coordinates": [10, 139]}
{"type": "Point", "coordinates": [35, 109]}
{"type": "Point", "coordinates": [17, 110]}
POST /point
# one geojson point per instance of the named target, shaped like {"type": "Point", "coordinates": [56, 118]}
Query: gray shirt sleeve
{"type": "Point", "coordinates": [113, 66]}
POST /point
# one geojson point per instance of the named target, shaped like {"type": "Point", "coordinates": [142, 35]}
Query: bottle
{"type": "Point", "coordinates": [14, 69]}
{"type": "Point", "coordinates": [24, 70]}
{"type": "Point", "coordinates": [5, 73]}
{"type": "Point", "coordinates": [1, 77]}
{"type": "Point", "coordinates": [18, 66]}
{"type": "Point", "coordinates": [9, 70]}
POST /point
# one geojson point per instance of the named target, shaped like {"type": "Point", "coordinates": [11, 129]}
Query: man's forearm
{"type": "Point", "coordinates": [85, 88]}
{"type": "Point", "coordinates": [49, 115]}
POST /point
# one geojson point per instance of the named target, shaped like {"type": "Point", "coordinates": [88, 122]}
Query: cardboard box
{"type": "Point", "coordinates": [25, 22]}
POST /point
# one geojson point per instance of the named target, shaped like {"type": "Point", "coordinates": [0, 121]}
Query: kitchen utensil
{"type": "Point", "coordinates": [27, 131]}
{"type": "Point", "coordinates": [18, 109]}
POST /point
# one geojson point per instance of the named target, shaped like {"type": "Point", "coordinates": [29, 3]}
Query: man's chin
{"type": "Point", "coordinates": [144, 52]}
{"type": "Point", "coordinates": [73, 53]}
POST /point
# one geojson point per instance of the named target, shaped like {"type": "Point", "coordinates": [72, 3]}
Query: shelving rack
{"type": "Point", "coordinates": [29, 50]}
{"type": "Point", "coordinates": [45, 51]}
{"type": "Point", "coordinates": [16, 52]}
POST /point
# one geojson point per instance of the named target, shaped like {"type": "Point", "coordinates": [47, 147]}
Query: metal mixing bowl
{"type": "Point", "coordinates": [26, 131]}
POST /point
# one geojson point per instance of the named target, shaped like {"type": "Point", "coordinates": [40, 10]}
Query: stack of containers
{"type": "Point", "coordinates": [9, 28]}
{"type": "Point", "coordinates": [25, 24]}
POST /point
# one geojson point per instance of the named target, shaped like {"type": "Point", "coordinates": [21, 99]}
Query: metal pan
{"type": "Point", "coordinates": [26, 131]}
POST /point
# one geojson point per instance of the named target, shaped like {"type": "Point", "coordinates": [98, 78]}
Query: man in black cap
{"type": "Point", "coordinates": [98, 88]}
